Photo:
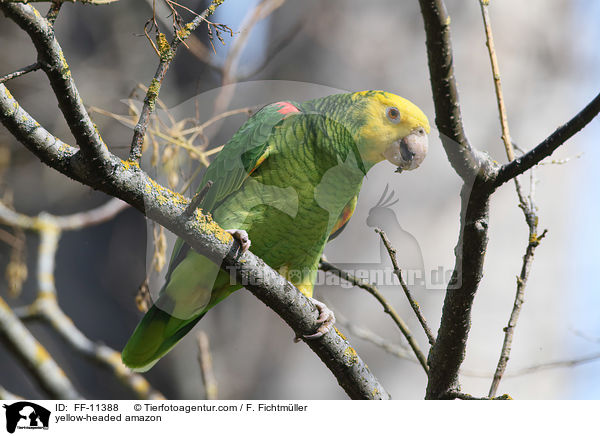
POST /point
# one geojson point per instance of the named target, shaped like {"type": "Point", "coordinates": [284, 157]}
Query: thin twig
{"type": "Point", "coordinates": [509, 330]}
{"type": "Point", "coordinates": [528, 208]}
{"type": "Point", "coordinates": [586, 336]}
{"type": "Point", "coordinates": [413, 303]}
{"type": "Point", "coordinates": [206, 366]}
{"type": "Point", "coordinates": [9, 239]}
{"type": "Point", "coordinates": [569, 363]}
{"type": "Point", "coordinates": [395, 349]}
{"type": "Point", "coordinates": [197, 199]}
{"type": "Point", "coordinates": [528, 370]}
{"type": "Point", "coordinates": [74, 221]}
{"type": "Point", "coordinates": [387, 307]}
{"type": "Point", "coordinates": [561, 161]}
{"type": "Point", "coordinates": [20, 72]}
{"type": "Point", "coordinates": [496, 75]}
{"type": "Point", "coordinates": [52, 14]}
{"type": "Point", "coordinates": [166, 53]}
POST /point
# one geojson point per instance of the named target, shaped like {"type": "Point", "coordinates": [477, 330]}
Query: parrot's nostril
{"type": "Point", "coordinates": [406, 154]}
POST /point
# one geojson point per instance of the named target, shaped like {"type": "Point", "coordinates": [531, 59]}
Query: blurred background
{"type": "Point", "coordinates": [548, 55]}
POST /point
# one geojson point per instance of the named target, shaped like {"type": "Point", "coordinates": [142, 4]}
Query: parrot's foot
{"type": "Point", "coordinates": [242, 237]}
{"type": "Point", "coordinates": [326, 319]}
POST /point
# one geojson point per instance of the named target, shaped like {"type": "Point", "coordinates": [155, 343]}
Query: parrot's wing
{"type": "Point", "coordinates": [243, 153]}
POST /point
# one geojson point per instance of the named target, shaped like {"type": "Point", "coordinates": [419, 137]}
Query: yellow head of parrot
{"type": "Point", "coordinates": [395, 129]}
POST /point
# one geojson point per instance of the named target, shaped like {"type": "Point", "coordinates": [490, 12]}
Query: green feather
{"type": "Point", "coordinates": [154, 337]}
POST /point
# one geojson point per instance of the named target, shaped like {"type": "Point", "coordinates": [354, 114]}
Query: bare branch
{"type": "Point", "coordinates": [206, 366]}
{"type": "Point", "coordinates": [550, 144]}
{"type": "Point", "coordinates": [75, 221]}
{"type": "Point", "coordinates": [166, 52]}
{"type": "Point", "coordinates": [398, 272]}
{"type": "Point", "coordinates": [569, 363]}
{"type": "Point", "coordinates": [34, 356]}
{"type": "Point", "coordinates": [447, 355]}
{"type": "Point", "coordinates": [197, 199]}
{"type": "Point", "coordinates": [399, 350]}
{"type": "Point", "coordinates": [465, 160]}
{"type": "Point", "coordinates": [496, 75]}
{"type": "Point", "coordinates": [54, 10]}
{"type": "Point", "coordinates": [529, 209]}
{"type": "Point", "coordinates": [53, 63]}
{"type": "Point", "coordinates": [528, 370]}
{"type": "Point", "coordinates": [476, 170]}
{"type": "Point", "coordinates": [49, 149]}
{"type": "Point", "coordinates": [28, 69]}
{"type": "Point", "coordinates": [387, 308]}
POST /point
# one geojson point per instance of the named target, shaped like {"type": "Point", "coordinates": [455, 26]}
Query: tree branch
{"type": "Point", "coordinates": [21, 71]}
{"type": "Point", "coordinates": [465, 160]}
{"type": "Point", "coordinates": [401, 351]}
{"type": "Point", "coordinates": [54, 64]}
{"type": "Point", "coordinates": [387, 307]}
{"type": "Point", "coordinates": [415, 306]}
{"type": "Point", "coordinates": [510, 153]}
{"type": "Point", "coordinates": [206, 366]}
{"type": "Point", "coordinates": [548, 145]}
{"type": "Point", "coordinates": [166, 52]}
{"type": "Point", "coordinates": [447, 355]}
{"type": "Point", "coordinates": [34, 356]}
{"type": "Point", "coordinates": [529, 208]}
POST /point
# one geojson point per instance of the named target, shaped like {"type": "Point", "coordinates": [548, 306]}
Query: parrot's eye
{"type": "Point", "coordinates": [393, 114]}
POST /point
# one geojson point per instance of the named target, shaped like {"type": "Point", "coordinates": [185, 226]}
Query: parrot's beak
{"type": "Point", "coordinates": [409, 152]}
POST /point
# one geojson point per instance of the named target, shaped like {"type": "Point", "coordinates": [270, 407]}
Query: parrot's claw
{"type": "Point", "coordinates": [326, 319]}
{"type": "Point", "coordinates": [242, 237]}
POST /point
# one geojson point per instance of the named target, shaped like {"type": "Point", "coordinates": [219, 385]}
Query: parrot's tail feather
{"type": "Point", "coordinates": [154, 337]}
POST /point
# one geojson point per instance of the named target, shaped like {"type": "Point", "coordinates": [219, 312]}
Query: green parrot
{"type": "Point", "coordinates": [286, 182]}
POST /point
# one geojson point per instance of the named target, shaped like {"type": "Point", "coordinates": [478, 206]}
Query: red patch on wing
{"type": "Point", "coordinates": [286, 108]}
